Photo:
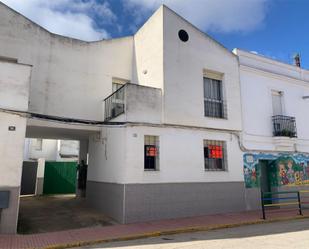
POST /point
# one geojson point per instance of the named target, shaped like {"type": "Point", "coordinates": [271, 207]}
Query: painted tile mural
{"type": "Point", "coordinates": [283, 169]}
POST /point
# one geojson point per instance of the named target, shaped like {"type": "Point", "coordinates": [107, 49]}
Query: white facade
{"type": "Point", "coordinates": [259, 77]}
{"type": "Point", "coordinates": [14, 85]}
{"type": "Point", "coordinates": [178, 75]}
{"type": "Point", "coordinates": [51, 149]}
{"type": "Point", "coordinates": [165, 98]}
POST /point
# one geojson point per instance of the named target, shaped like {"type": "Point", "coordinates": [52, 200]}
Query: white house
{"type": "Point", "coordinates": [275, 137]}
{"type": "Point", "coordinates": [157, 114]}
{"type": "Point", "coordinates": [51, 149]}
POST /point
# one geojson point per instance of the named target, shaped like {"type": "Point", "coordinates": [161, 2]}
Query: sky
{"type": "Point", "coordinates": [275, 28]}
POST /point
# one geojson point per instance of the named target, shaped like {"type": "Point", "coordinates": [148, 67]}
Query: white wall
{"type": "Point", "coordinates": [184, 63]}
{"type": "Point", "coordinates": [11, 149]}
{"type": "Point", "coordinates": [148, 52]}
{"type": "Point", "coordinates": [49, 150]}
{"type": "Point", "coordinates": [14, 85]}
{"type": "Point", "coordinates": [257, 82]}
{"type": "Point", "coordinates": [118, 156]}
{"type": "Point", "coordinates": [52, 149]}
{"type": "Point", "coordinates": [69, 148]}
{"type": "Point", "coordinates": [181, 156]}
{"type": "Point", "coordinates": [70, 78]}
{"type": "Point", "coordinates": [106, 162]}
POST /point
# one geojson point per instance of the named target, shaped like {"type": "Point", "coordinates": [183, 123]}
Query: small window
{"type": "Point", "coordinates": [213, 98]}
{"type": "Point", "coordinates": [151, 152]}
{"type": "Point", "coordinates": [215, 155]}
{"type": "Point", "coordinates": [39, 144]}
{"type": "Point", "coordinates": [116, 85]}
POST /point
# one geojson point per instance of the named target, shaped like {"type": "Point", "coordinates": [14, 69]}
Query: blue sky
{"type": "Point", "coordinates": [275, 28]}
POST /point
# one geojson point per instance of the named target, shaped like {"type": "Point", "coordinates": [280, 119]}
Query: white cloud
{"type": "Point", "coordinates": [210, 15]}
{"type": "Point", "coordinates": [66, 17]}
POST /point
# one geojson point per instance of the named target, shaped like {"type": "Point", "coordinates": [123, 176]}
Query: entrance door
{"type": "Point", "coordinates": [28, 179]}
{"type": "Point", "coordinates": [265, 178]}
{"type": "Point", "coordinates": [60, 178]}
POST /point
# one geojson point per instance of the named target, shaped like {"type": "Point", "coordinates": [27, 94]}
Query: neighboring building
{"type": "Point", "coordinates": [166, 141]}
{"type": "Point", "coordinates": [275, 138]}
{"type": "Point", "coordinates": [38, 152]}
{"type": "Point", "coordinates": [51, 149]}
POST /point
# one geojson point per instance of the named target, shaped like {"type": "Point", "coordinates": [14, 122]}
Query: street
{"type": "Point", "coordinates": [288, 234]}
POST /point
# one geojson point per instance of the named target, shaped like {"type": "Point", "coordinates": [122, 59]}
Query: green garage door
{"type": "Point", "coordinates": [59, 178]}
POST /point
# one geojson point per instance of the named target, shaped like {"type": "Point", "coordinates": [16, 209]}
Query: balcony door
{"type": "Point", "coordinates": [277, 101]}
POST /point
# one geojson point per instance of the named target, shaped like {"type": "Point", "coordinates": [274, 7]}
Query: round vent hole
{"type": "Point", "coordinates": [183, 35]}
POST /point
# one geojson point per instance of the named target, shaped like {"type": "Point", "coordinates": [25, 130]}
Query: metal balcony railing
{"type": "Point", "coordinates": [284, 126]}
{"type": "Point", "coordinates": [114, 104]}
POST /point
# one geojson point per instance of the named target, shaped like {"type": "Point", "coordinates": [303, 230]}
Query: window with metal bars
{"type": "Point", "coordinates": [215, 155]}
{"type": "Point", "coordinates": [151, 152]}
{"type": "Point", "coordinates": [214, 105]}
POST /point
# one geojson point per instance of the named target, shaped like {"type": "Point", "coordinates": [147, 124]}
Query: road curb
{"type": "Point", "coordinates": [173, 232]}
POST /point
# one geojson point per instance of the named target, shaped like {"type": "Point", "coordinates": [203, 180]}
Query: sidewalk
{"type": "Point", "coordinates": [86, 236]}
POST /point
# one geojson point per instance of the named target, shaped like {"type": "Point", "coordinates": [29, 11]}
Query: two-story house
{"type": "Point", "coordinates": [275, 137]}
{"type": "Point", "coordinates": [171, 123]}
{"type": "Point", "coordinates": [172, 146]}
{"type": "Point", "coordinates": [157, 115]}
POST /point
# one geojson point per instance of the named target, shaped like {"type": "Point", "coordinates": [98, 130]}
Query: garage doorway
{"type": "Point", "coordinates": [60, 178]}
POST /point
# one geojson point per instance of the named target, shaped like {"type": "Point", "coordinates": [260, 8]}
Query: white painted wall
{"type": "Point", "coordinates": [118, 156]}
{"type": "Point", "coordinates": [107, 162]}
{"type": "Point", "coordinates": [148, 52]}
{"type": "Point", "coordinates": [14, 85]}
{"type": "Point", "coordinates": [259, 76]}
{"type": "Point", "coordinates": [184, 63]}
{"type": "Point", "coordinates": [69, 148]}
{"type": "Point", "coordinates": [70, 78]}
{"type": "Point", "coordinates": [11, 149]}
{"type": "Point", "coordinates": [48, 152]}
{"type": "Point", "coordinates": [181, 156]}
{"type": "Point", "coordinates": [52, 149]}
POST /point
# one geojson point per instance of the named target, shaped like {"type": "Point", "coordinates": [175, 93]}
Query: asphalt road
{"type": "Point", "coordinates": [281, 235]}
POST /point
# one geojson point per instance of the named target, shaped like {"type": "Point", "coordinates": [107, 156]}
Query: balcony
{"type": "Point", "coordinates": [134, 103]}
{"type": "Point", "coordinates": [284, 126]}
{"type": "Point", "coordinates": [114, 104]}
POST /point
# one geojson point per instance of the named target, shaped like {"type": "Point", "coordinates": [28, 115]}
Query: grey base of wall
{"type": "Point", "coordinates": [9, 216]}
{"type": "Point", "coordinates": [253, 198]}
{"type": "Point", "coordinates": [106, 197]}
{"type": "Point", "coordinates": [144, 202]}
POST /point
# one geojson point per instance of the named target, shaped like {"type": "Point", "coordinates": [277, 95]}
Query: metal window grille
{"type": "Point", "coordinates": [284, 126]}
{"type": "Point", "coordinates": [215, 155]}
{"type": "Point", "coordinates": [151, 153]}
{"type": "Point", "coordinates": [214, 104]}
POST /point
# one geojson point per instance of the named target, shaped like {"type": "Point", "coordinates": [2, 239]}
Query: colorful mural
{"type": "Point", "coordinates": [283, 169]}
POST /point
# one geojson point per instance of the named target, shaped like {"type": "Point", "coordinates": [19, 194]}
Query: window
{"type": "Point", "coordinates": [115, 87]}
{"type": "Point", "coordinates": [213, 98]}
{"type": "Point", "coordinates": [277, 102]}
{"type": "Point", "coordinates": [215, 155]}
{"type": "Point", "coordinates": [151, 152]}
{"type": "Point", "coordinates": [39, 144]}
